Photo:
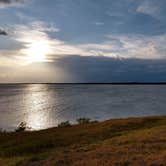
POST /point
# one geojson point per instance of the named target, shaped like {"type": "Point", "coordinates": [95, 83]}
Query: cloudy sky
{"type": "Point", "coordinates": [82, 40]}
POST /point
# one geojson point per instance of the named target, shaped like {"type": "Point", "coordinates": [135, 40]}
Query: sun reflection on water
{"type": "Point", "coordinates": [37, 120]}
{"type": "Point", "coordinates": [37, 116]}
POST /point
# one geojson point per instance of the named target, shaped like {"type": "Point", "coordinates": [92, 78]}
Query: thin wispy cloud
{"type": "Point", "coordinates": [97, 23]}
{"type": "Point", "coordinates": [150, 7]}
{"type": "Point", "coordinates": [130, 46]}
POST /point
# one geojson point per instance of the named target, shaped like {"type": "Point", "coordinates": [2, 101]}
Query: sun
{"type": "Point", "coordinates": [37, 51]}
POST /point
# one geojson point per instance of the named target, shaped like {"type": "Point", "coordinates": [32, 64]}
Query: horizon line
{"type": "Point", "coordinates": [111, 83]}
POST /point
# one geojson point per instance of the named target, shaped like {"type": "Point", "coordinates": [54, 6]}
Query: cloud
{"type": "Point", "coordinates": [35, 37]}
{"type": "Point", "coordinates": [97, 23]}
{"type": "Point", "coordinates": [129, 46]}
{"type": "Point", "coordinates": [2, 32]}
{"type": "Point", "coordinates": [7, 3]}
{"type": "Point", "coordinates": [38, 33]}
{"type": "Point", "coordinates": [11, 1]}
{"type": "Point", "coordinates": [106, 69]}
{"type": "Point", "coordinates": [89, 69]}
{"type": "Point", "coordinates": [152, 8]}
{"type": "Point", "coordinates": [132, 58]}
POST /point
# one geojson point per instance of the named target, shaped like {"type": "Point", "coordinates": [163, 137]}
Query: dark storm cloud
{"type": "Point", "coordinates": [10, 1]}
{"type": "Point", "coordinates": [105, 69]}
{"type": "Point", "coordinates": [2, 32]}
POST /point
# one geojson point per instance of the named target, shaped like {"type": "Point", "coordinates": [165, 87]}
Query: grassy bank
{"type": "Point", "coordinates": [123, 142]}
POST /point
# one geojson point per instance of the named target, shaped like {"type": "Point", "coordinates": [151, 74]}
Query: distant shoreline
{"type": "Point", "coordinates": [111, 83]}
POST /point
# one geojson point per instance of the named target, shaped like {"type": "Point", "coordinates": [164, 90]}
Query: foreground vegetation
{"type": "Point", "coordinates": [123, 142]}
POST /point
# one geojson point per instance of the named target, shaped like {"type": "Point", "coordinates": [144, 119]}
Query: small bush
{"type": "Point", "coordinates": [4, 131]}
{"type": "Point", "coordinates": [95, 121]}
{"type": "Point", "coordinates": [83, 120]}
{"type": "Point", "coordinates": [21, 127]}
{"type": "Point", "coordinates": [64, 124]}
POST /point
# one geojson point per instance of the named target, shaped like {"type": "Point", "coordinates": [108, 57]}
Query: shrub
{"type": "Point", "coordinates": [83, 120]}
{"type": "Point", "coordinates": [64, 124]}
{"type": "Point", "coordinates": [21, 127]}
{"type": "Point", "coordinates": [2, 131]}
{"type": "Point", "coordinates": [95, 121]}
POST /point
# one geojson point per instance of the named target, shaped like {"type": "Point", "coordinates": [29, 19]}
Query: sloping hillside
{"type": "Point", "coordinates": [122, 142]}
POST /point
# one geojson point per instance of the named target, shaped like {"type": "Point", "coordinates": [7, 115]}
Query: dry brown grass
{"type": "Point", "coordinates": [123, 142]}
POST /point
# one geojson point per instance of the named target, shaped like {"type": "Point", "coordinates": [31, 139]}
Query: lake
{"type": "Point", "coordinates": [46, 105]}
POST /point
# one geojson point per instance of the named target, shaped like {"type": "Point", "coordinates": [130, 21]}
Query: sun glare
{"type": "Point", "coordinates": [36, 52]}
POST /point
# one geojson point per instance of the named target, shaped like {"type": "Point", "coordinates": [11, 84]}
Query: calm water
{"type": "Point", "coordinates": [46, 105]}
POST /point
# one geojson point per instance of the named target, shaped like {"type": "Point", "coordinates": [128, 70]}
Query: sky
{"type": "Point", "coordinates": [82, 41]}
